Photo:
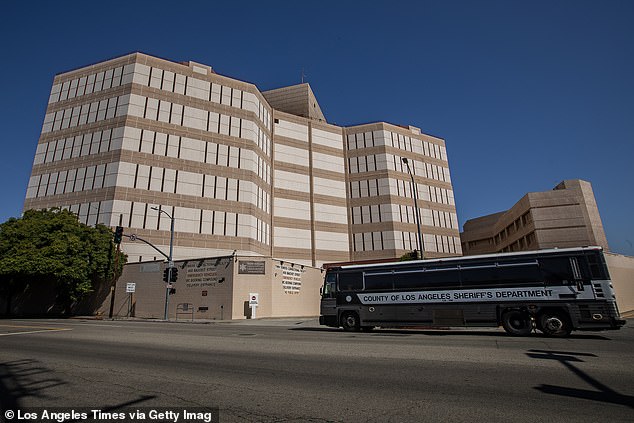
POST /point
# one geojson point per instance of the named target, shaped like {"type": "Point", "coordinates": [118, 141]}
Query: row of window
{"type": "Point", "coordinates": [93, 83]}
{"type": "Point", "coordinates": [149, 178]}
{"type": "Point", "coordinates": [204, 120]}
{"type": "Point", "coordinates": [406, 241]}
{"type": "Point", "coordinates": [163, 80]}
{"type": "Point", "coordinates": [151, 142]}
{"type": "Point", "coordinates": [376, 162]}
{"type": "Point", "coordinates": [398, 187]}
{"type": "Point", "coordinates": [404, 214]}
{"type": "Point", "coordinates": [72, 180]}
{"type": "Point", "coordinates": [395, 140]}
{"type": "Point", "coordinates": [137, 215]}
{"type": "Point", "coordinates": [203, 90]}
{"type": "Point", "coordinates": [85, 114]}
{"type": "Point", "coordinates": [78, 146]}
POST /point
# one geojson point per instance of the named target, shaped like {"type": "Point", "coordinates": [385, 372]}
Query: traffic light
{"type": "Point", "coordinates": [118, 234]}
{"type": "Point", "coordinates": [166, 275]}
{"type": "Point", "coordinates": [174, 274]}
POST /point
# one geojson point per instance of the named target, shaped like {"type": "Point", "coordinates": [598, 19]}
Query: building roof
{"type": "Point", "coordinates": [297, 100]}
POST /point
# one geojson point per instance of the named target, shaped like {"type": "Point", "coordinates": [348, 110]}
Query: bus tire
{"type": "Point", "coordinates": [517, 323]}
{"type": "Point", "coordinates": [555, 323]}
{"type": "Point", "coordinates": [350, 321]}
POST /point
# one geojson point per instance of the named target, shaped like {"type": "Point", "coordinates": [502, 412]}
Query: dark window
{"type": "Point", "coordinates": [409, 280]}
{"type": "Point", "coordinates": [556, 270]}
{"type": "Point", "coordinates": [478, 276]}
{"type": "Point", "coordinates": [350, 281]}
{"type": "Point", "coordinates": [381, 281]}
{"type": "Point", "coordinates": [442, 278]}
{"type": "Point", "coordinates": [597, 268]}
{"type": "Point", "coordinates": [518, 274]}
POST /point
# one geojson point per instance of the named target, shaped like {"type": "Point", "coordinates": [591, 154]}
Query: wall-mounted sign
{"type": "Point", "coordinates": [291, 278]}
{"type": "Point", "coordinates": [130, 287]}
{"type": "Point", "coordinates": [249, 267]}
{"type": "Point", "coordinates": [254, 299]}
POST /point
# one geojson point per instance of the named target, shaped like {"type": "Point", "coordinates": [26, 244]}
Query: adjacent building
{"type": "Point", "coordinates": [566, 216]}
{"type": "Point", "coordinates": [137, 140]}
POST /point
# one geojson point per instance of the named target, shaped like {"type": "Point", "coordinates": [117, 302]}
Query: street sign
{"type": "Point", "coordinates": [253, 299]}
{"type": "Point", "coordinates": [130, 287]}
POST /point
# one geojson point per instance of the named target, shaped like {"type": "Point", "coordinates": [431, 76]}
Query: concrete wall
{"type": "Point", "coordinates": [622, 274]}
{"type": "Point", "coordinates": [218, 288]}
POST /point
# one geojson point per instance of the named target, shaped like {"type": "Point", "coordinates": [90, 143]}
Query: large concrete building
{"type": "Point", "coordinates": [566, 216]}
{"type": "Point", "coordinates": [134, 140]}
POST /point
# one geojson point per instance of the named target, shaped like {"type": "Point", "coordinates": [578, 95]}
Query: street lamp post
{"type": "Point", "coordinates": [170, 260]}
{"type": "Point", "coordinates": [414, 191]}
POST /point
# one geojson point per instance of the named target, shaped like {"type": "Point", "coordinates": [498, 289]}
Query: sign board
{"type": "Point", "coordinates": [130, 287]}
{"type": "Point", "coordinates": [253, 299]}
{"type": "Point", "coordinates": [250, 267]}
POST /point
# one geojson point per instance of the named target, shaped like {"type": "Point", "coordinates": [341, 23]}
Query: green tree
{"type": "Point", "coordinates": [51, 246]}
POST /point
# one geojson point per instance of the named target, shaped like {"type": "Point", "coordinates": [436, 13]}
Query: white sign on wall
{"type": "Point", "coordinates": [253, 299]}
{"type": "Point", "coordinates": [130, 287]}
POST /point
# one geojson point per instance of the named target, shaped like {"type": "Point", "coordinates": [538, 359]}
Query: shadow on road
{"type": "Point", "coordinates": [28, 378]}
{"type": "Point", "coordinates": [441, 332]}
{"type": "Point", "coordinates": [602, 393]}
{"type": "Point", "coordinates": [24, 378]}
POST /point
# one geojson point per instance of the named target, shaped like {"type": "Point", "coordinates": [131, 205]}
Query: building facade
{"type": "Point", "coordinates": [137, 140]}
{"type": "Point", "coordinates": [566, 216]}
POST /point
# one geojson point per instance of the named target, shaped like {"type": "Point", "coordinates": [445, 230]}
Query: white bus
{"type": "Point", "coordinates": [556, 291]}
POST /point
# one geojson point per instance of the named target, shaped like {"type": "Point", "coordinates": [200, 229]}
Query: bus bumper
{"type": "Point", "coordinates": [328, 321]}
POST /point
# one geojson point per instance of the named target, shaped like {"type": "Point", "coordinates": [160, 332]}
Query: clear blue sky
{"type": "Point", "coordinates": [525, 93]}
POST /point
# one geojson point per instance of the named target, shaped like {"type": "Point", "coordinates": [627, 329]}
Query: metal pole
{"type": "Point", "coordinates": [170, 264]}
{"type": "Point", "coordinates": [416, 211]}
{"type": "Point", "coordinates": [113, 285]}
{"type": "Point", "coordinates": [170, 259]}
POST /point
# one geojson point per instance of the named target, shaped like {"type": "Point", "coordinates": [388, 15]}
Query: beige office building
{"type": "Point", "coordinates": [258, 173]}
{"type": "Point", "coordinates": [566, 216]}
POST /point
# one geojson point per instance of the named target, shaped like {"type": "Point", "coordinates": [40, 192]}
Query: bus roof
{"type": "Point", "coordinates": [476, 257]}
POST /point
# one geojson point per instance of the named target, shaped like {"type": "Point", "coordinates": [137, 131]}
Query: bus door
{"type": "Point", "coordinates": [328, 304]}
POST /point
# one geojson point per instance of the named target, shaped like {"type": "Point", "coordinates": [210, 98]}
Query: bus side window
{"type": "Point", "coordinates": [350, 281]}
{"type": "Point", "coordinates": [596, 268]}
{"type": "Point", "coordinates": [556, 271]}
{"type": "Point", "coordinates": [518, 274]}
{"type": "Point", "coordinates": [478, 276]}
{"type": "Point", "coordinates": [378, 282]}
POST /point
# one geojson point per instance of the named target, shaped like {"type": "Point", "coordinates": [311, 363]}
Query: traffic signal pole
{"type": "Point", "coordinates": [118, 232]}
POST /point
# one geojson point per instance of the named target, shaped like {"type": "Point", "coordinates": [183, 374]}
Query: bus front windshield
{"type": "Point", "coordinates": [330, 284]}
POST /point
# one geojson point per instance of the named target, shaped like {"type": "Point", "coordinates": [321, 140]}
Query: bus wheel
{"type": "Point", "coordinates": [555, 323]}
{"type": "Point", "coordinates": [350, 322]}
{"type": "Point", "coordinates": [517, 323]}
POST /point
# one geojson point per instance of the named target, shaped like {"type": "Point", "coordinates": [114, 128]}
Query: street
{"type": "Point", "coordinates": [293, 370]}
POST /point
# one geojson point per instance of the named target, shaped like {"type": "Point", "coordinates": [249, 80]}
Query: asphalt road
{"type": "Point", "coordinates": [296, 371]}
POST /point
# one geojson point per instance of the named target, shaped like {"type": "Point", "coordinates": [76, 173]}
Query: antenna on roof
{"type": "Point", "coordinates": [303, 75]}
